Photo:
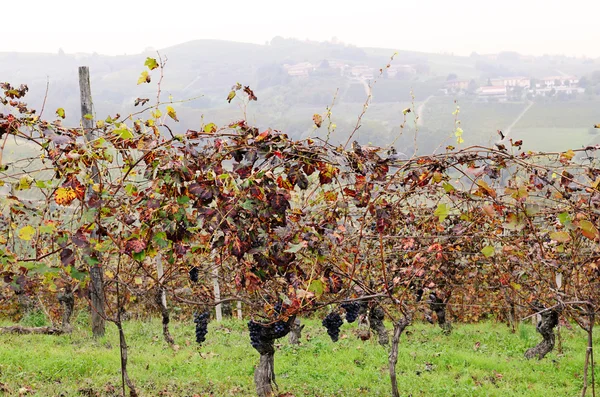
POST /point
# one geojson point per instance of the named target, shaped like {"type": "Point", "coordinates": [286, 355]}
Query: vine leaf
{"type": "Point", "coordinates": [151, 63]}
{"type": "Point", "coordinates": [26, 233]}
{"type": "Point", "coordinates": [64, 195]}
{"type": "Point", "coordinates": [144, 78]}
{"type": "Point", "coordinates": [561, 237]}
{"type": "Point", "coordinates": [171, 113]}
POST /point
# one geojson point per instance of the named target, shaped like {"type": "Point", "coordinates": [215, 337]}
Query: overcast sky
{"type": "Point", "coordinates": [460, 26]}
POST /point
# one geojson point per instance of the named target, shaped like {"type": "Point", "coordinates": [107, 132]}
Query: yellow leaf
{"type": "Point", "coordinates": [172, 114]}
{"type": "Point", "coordinates": [144, 78]}
{"type": "Point", "coordinates": [26, 233]}
{"type": "Point", "coordinates": [64, 195]}
{"type": "Point", "coordinates": [569, 154]}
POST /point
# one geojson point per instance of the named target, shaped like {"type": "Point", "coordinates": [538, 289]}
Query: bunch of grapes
{"type": "Point", "coordinates": [352, 309]}
{"type": "Point", "coordinates": [256, 331]}
{"type": "Point", "coordinates": [333, 322]}
{"type": "Point", "coordinates": [201, 321]}
{"type": "Point", "coordinates": [280, 329]}
{"type": "Point", "coordinates": [194, 271]}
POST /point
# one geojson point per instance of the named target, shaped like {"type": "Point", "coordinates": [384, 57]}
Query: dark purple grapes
{"type": "Point", "coordinates": [201, 321]}
{"type": "Point", "coordinates": [261, 334]}
{"type": "Point", "coordinates": [352, 309]}
{"type": "Point", "coordinates": [255, 333]}
{"type": "Point", "coordinates": [194, 273]}
{"type": "Point", "coordinates": [333, 322]}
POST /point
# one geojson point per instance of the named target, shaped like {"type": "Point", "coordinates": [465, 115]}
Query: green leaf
{"type": "Point", "coordinates": [448, 187]}
{"type": "Point", "coordinates": [77, 275]}
{"type": "Point", "coordinates": [488, 251]}
{"type": "Point", "coordinates": [139, 256]}
{"type": "Point", "coordinates": [160, 239]}
{"type": "Point", "coordinates": [60, 112]}
{"type": "Point", "coordinates": [130, 188]}
{"type": "Point", "coordinates": [564, 218]}
{"type": "Point", "coordinates": [88, 117]}
{"type": "Point", "coordinates": [183, 200]}
{"type": "Point", "coordinates": [248, 205]}
{"type": "Point", "coordinates": [210, 128]}
{"type": "Point", "coordinates": [442, 211]}
{"type": "Point", "coordinates": [151, 63]}
{"type": "Point", "coordinates": [123, 132]}
{"type": "Point", "coordinates": [47, 229]}
{"type": "Point", "coordinates": [26, 233]}
{"type": "Point", "coordinates": [24, 183]}
{"type": "Point", "coordinates": [561, 237]}
{"type": "Point", "coordinates": [317, 287]}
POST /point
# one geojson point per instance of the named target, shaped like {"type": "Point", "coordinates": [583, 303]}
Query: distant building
{"type": "Point", "coordinates": [492, 92]}
{"type": "Point", "coordinates": [558, 81]}
{"type": "Point", "coordinates": [395, 70]}
{"type": "Point", "coordinates": [302, 69]}
{"type": "Point", "coordinates": [457, 84]}
{"type": "Point", "coordinates": [523, 82]}
{"type": "Point", "coordinates": [362, 72]}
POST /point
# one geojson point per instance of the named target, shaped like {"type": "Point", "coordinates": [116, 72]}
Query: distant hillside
{"type": "Point", "coordinates": [295, 79]}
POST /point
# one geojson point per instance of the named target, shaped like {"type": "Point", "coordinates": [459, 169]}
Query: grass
{"type": "Point", "coordinates": [475, 360]}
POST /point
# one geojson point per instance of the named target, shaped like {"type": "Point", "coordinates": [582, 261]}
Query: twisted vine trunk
{"type": "Point", "coordinates": [438, 305]}
{"type": "Point", "coordinates": [264, 374]}
{"type": "Point", "coordinates": [296, 332]}
{"type": "Point", "coordinates": [124, 374]}
{"type": "Point", "coordinates": [161, 300]}
{"type": "Point", "coordinates": [589, 356]}
{"type": "Point", "coordinates": [399, 327]}
{"type": "Point", "coordinates": [67, 302]}
{"type": "Point", "coordinates": [376, 316]}
{"type": "Point", "coordinates": [263, 338]}
{"type": "Point", "coordinates": [546, 328]}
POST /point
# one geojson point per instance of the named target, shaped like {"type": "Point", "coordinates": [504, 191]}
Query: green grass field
{"type": "Point", "coordinates": [476, 360]}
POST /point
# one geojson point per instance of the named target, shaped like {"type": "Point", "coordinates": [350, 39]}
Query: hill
{"type": "Point", "coordinates": [294, 79]}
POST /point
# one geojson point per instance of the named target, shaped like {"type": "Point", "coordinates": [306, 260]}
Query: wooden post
{"type": "Point", "coordinates": [217, 292]}
{"type": "Point", "coordinates": [239, 310]}
{"type": "Point", "coordinates": [96, 276]}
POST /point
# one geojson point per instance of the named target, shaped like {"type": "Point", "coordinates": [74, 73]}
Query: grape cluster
{"type": "Point", "coordinates": [333, 322]}
{"type": "Point", "coordinates": [201, 321]}
{"type": "Point", "coordinates": [280, 329]}
{"type": "Point", "coordinates": [256, 331]}
{"type": "Point", "coordinates": [352, 309]}
{"type": "Point", "coordinates": [194, 271]}
{"type": "Point", "coordinates": [261, 334]}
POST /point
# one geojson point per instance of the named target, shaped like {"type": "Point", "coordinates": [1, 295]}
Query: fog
{"type": "Point", "coordinates": [113, 27]}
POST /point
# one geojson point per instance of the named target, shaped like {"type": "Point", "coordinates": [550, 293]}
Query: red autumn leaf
{"type": "Point", "coordinates": [134, 246]}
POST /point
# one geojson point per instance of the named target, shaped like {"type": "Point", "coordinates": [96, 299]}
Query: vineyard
{"type": "Point", "coordinates": [127, 215]}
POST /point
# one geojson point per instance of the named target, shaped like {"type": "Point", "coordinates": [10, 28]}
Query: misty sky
{"type": "Point", "coordinates": [461, 26]}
